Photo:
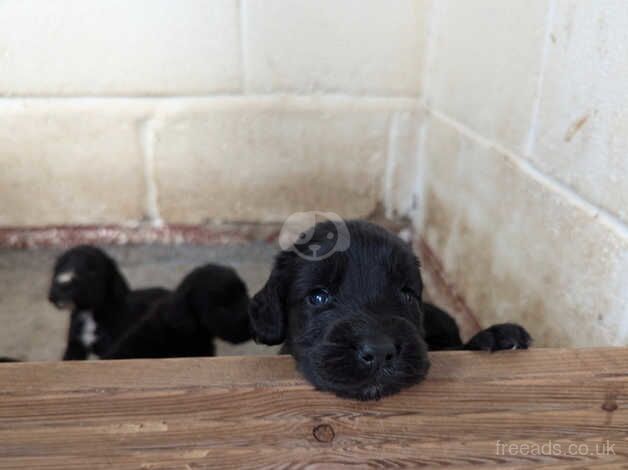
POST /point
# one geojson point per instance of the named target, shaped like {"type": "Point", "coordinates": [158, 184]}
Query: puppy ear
{"type": "Point", "coordinates": [267, 309]}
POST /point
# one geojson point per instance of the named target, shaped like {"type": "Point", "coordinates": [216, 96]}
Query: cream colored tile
{"type": "Point", "coordinates": [143, 47]}
{"type": "Point", "coordinates": [582, 129]}
{"type": "Point", "coordinates": [353, 46]}
{"type": "Point", "coordinates": [402, 164]}
{"type": "Point", "coordinates": [263, 159]}
{"type": "Point", "coordinates": [69, 163]}
{"type": "Point", "coordinates": [485, 63]}
{"type": "Point", "coordinates": [517, 251]}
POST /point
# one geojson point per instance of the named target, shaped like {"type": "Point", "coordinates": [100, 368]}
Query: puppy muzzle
{"type": "Point", "coordinates": [60, 302]}
{"type": "Point", "coordinates": [367, 359]}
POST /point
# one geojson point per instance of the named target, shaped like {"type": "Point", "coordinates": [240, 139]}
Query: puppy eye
{"type": "Point", "coordinates": [319, 297]}
{"type": "Point", "coordinates": [408, 295]}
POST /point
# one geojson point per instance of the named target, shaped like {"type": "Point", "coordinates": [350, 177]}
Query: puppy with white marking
{"type": "Point", "coordinates": [211, 301]}
{"type": "Point", "coordinates": [87, 282]}
{"type": "Point", "coordinates": [353, 318]}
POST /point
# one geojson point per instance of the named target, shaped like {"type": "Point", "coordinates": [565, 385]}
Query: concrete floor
{"type": "Point", "coordinates": [32, 329]}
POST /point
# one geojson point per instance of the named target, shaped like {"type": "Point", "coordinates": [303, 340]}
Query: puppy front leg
{"type": "Point", "coordinates": [442, 334]}
{"type": "Point", "coordinates": [500, 337]}
{"type": "Point", "coordinates": [441, 330]}
{"type": "Point", "coordinates": [75, 351]}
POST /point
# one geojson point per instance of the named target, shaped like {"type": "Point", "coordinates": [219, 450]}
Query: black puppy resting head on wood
{"type": "Point", "coordinates": [353, 318]}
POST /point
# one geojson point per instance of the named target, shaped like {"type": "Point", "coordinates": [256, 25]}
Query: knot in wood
{"type": "Point", "coordinates": [324, 433]}
{"type": "Point", "coordinates": [610, 402]}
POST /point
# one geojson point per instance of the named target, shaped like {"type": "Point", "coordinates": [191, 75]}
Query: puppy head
{"type": "Point", "coordinates": [85, 277]}
{"type": "Point", "coordinates": [211, 299]}
{"type": "Point", "coordinates": [353, 320]}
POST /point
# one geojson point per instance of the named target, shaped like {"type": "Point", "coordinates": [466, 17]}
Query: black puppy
{"type": "Point", "coordinates": [88, 282]}
{"type": "Point", "coordinates": [211, 301]}
{"type": "Point", "coordinates": [353, 319]}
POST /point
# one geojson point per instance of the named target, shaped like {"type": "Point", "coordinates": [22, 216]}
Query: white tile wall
{"type": "Point", "coordinates": [263, 159]}
{"type": "Point", "coordinates": [582, 128]}
{"type": "Point", "coordinates": [349, 46]}
{"type": "Point", "coordinates": [519, 251]}
{"type": "Point", "coordinates": [119, 47]}
{"type": "Point", "coordinates": [206, 144]}
{"type": "Point", "coordinates": [70, 161]}
{"type": "Point", "coordinates": [522, 174]}
{"type": "Point", "coordinates": [485, 62]}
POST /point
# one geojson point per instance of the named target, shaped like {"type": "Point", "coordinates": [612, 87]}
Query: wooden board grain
{"type": "Point", "coordinates": [475, 410]}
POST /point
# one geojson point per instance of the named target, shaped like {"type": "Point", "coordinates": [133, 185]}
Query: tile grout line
{"type": "Point", "coordinates": [146, 132]}
{"type": "Point", "coordinates": [422, 136]}
{"type": "Point", "coordinates": [432, 16]}
{"type": "Point", "coordinates": [605, 217]}
{"type": "Point", "coordinates": [429, 258]}
{"type": "Point", "coordinates": [391, 164]}
{"type": "Point", "coordinates": [243, 54]}
{"type": "Point", "coordinates": [319, 95]}
{"type": "Point", "coordinates": [547, 43]}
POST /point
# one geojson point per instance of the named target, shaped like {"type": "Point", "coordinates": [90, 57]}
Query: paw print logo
{"type": "Point", "coordinates": [314, 235]}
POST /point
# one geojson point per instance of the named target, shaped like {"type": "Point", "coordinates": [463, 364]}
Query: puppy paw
{"type": "Point", "coordinates": [500, 337]}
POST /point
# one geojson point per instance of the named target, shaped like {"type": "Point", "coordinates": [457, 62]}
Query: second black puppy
{"type": "Point", "coordinates": [88, 282]}
{"type": "Point", "coordinates": [353, 319]}
{"type": "Point", "coordinates": [212, 301]}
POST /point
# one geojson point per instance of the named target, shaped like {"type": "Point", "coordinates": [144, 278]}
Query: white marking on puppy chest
{"type": "Point", "coordinates": [88, 331]}
{"type": "Point", "coordinates": [65, 277]}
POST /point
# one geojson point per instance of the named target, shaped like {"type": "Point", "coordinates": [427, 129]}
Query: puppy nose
{"type": "Point", "coordinates": [377, 353]}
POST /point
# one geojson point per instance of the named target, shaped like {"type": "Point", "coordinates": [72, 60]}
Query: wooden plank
{"type": "Point", "coordinates": [475, 410]}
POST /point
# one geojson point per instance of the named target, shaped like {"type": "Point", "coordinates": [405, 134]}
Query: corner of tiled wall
{"type": "Point", "coordinates": [523, 175]}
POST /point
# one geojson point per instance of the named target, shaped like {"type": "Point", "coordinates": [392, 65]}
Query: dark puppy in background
{"type": "Point", "coordinates": [87, 282]}
{"type": "Point", "coordinates": [354, 319]}
{"type": "Point", "coordinates": [212, 301]}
